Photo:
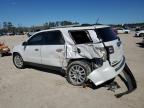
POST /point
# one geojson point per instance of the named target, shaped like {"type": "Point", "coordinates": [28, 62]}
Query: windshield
{"type": "Point", "coordinates": [106, 34]}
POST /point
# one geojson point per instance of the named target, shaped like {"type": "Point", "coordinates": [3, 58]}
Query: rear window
{"type": "Point", "coordinates": [106, 34]}
{"type": "Point", "coordinates": [80, 37]}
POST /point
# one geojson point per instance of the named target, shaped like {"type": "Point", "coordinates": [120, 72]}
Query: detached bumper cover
{"type": "Point", "coordinates": [106, 72]}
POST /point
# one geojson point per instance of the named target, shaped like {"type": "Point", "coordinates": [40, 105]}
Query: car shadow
{"type": "Point", "coordinates": [131, 84]}
{"type": "Point", "coordinates": [47, 70]}
{"type": "Point", "coordinates": [62, 73]}
{"type": "Point", "coordinates": [9, 54]}
{"type": "Point", "coordinates": [141, 45]}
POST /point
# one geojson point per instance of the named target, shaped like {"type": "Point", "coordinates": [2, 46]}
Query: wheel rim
{"type": "Point", "coordinates": [18, 61]}
{"type": "Point", "coordinates": [77, 74]}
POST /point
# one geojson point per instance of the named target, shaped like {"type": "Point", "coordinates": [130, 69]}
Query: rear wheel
{"type": "Point", "coordinates": [77, 72]}
{"type": "Point", "coordinates": [18, 61]}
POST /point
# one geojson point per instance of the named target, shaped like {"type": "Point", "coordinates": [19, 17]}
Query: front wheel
{"type": "Point", "coordinates": [141, 35]}
{"type": "Point", "coordinates": [77, 72]}
{"type": "Point", "coordinates": [18, 61]}
{"type": "Point", "coordinates": [1, 55]}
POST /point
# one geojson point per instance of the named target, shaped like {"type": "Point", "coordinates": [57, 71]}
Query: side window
{"type": "Point", "coordinates": [81, 37]}
{"type": "Point", "coordinates": [53, 38]}
{"type": "Point", "coordinates": [36, 39]}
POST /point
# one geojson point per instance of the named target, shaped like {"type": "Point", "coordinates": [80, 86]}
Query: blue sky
{"type": "Point", "coordinates": [37, 12]}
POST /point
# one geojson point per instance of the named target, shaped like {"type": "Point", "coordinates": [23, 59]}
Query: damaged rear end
{"type": "Point", "coordinates": [116, 63]}
{"type": "Point", "coordinates": [103, 50]}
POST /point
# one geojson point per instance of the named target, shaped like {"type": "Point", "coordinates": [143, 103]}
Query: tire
{"type": "Point", "coordinates": [77, 72]}
{"type": "Point", "coordinates": [18, 61]}
{"type": "Point", "coordinates": [1, 55]}
{"type": "Point", "coordinates": [141, 35]}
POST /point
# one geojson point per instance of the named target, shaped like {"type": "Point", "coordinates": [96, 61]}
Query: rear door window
{"type": "Point", "coordinates": [106, 34]}
{"type": "Point", "coordinates": [53, 38]}
{"type": "Point", "coordinates": [80, 37]}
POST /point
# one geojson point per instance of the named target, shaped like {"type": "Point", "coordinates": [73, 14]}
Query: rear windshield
{"type": "Point", "coordinates": [106, 34]}
{"type": "Point", "coordinates": [80, 37]}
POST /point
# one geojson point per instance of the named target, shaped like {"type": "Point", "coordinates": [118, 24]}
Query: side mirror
{"type": "Point", "coordinates": [24, 43]}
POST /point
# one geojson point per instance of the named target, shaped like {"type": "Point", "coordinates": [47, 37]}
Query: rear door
{"type": "Point", "coordinates": [53, 49]}
{"type": "Point", "coordinates": [112, 43]}
{"type": "Point", "coordinates": [85, 45]}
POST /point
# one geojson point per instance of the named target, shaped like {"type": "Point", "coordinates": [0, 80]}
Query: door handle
{"type": "Point", "coordinates": [36, 49]}
{"type": "Point", "coordinates": [59, 50]}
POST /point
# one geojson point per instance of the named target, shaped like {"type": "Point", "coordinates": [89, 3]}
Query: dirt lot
{"type": "Point", "coordinates": [32, 88]}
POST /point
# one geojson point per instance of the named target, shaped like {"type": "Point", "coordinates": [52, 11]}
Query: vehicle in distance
{"type": "Point", "coordinates": [29, 34]}
{"type": "Point", "coordinates": [124, 31]}
{"type": "Point", "coordinates": [143, 41]}
{"type": "Point", "coordinates": [4, 49]}
{"type": "Point", "coordinates": [92, 53]}
{"type": "Point", "coordinates": [139, 33]}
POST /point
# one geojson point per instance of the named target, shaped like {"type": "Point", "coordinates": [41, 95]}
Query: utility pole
{"type": "Point", "coordinates": [97, 21]}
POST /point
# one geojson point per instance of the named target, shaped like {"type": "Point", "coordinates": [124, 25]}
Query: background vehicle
{"type": "Point", "coordinates": [139, 33]}
{"type": "Point", "coordinates": [126, 31]}
{"type": "Point", "coordinates": [30, 34]}
{"type": "Point", "coordinates": [11, 34]}
{"type": "Point", "coordinates": [143, 41]}
{"type": "Point", "coordinates": [4, 49]}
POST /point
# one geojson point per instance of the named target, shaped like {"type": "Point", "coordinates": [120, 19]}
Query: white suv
{"type": "Point", "coordinates": [92, 53]}
{"type": "Point", "coordinates": [139, 33]}
{"type": "Point", "coordinates": [125, 31]}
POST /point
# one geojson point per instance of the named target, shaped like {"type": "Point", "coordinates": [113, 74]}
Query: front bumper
{"type": "Point", "coordinates": [106, 72]}
{"type": "Point", "coordinates": [136, 34]}
{"type": "Point", "coordinates": [143, 41]}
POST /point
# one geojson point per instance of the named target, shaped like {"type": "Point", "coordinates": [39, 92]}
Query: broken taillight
{"type": "Point", "coordinates": [110, 49]}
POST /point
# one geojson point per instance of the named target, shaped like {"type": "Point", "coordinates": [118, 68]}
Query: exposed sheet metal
{"type": "Point", "coordinates": [86, 51]}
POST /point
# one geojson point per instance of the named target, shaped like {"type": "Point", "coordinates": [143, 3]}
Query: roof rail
{"type": "Point", "coordinates": [78, 25]}
{"type": "Point", "coordinates": [66, 26]}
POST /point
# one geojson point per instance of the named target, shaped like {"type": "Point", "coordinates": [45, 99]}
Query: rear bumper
{"type": "Point", "coordinates": [106, 72]}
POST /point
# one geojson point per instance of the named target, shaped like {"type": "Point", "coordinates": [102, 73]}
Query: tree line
{"type": "Point", "coordinates": [9, 27]}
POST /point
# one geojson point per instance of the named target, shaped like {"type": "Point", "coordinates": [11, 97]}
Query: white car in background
{"type": "Point", "coordinates": [139, 33]}
{"type": "Point", "coordinates": [123, 31]}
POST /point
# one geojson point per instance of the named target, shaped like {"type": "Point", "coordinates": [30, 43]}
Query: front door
{"type": "Point", "coordinates": [32, 51]}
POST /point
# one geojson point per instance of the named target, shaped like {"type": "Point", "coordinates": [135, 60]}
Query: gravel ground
{"type": "Point", "coordinates": [33, 88]}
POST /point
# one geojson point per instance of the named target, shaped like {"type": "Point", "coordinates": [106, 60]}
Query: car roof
{"type": "Point", "coordinates": [75, 28]}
